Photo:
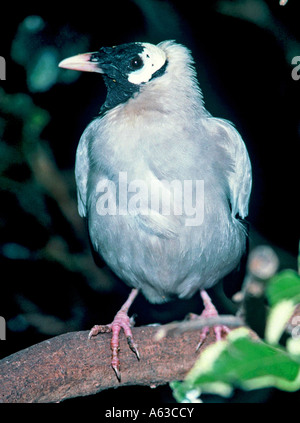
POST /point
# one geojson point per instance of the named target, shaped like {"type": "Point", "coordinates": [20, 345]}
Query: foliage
{"type": "Point", "coordinates": [240, 361]}
{"type": "Point", "coordinates": [39, 51]}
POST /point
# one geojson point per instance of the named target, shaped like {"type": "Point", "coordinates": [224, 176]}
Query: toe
{"type": "Point", "coordinates": [219, 330]}
{"type": "Point", "coordinates": [99, 329]}
{"type": "Point", "coordinates": [203, 335]}
{"type": "Point", "coordinates": [133, 346]}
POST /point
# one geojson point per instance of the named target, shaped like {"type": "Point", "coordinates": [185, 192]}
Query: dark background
{"type": "Point", "coordinates": [243, 51]}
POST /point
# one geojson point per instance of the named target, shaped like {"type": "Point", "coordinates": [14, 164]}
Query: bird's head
{"type": "Point", "coordinates": [125, 68]}
{"type": "Point", "coordinates": [130, 69]}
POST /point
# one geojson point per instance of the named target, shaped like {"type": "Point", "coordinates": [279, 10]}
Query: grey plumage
{"type": "Point", "coordinates": [159, 134]}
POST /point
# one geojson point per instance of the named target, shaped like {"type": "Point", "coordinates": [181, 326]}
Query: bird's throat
{"type": "Point", "coordinates": [118, 92]}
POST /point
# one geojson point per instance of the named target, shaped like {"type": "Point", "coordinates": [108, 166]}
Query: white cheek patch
{"type": "Point", "coordinates": [153, 58]}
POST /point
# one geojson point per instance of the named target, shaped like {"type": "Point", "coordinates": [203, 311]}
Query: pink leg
{"type": "Point", "coordinates": [121, 320]}
{"type": "Point", "coordinates": [210, 311]}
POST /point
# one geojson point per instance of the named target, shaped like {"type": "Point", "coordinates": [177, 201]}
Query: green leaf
{"type": "Point", "coordinates": [283, 293]}
{"type": "Point", "coordinates": [284, 286]}
{"type": "Point", "coordinates": [277, 321]}
{"type": "Point", "coordinates": [299, 259]}
{"type": "Point", "coordinates": [240, 361]}
{"type": "Point", "coordinates": [293, 344]}
{"type": "Point", "coordinates": [183, 394]}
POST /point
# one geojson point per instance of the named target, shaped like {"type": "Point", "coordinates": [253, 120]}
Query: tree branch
{"type": "Point", "coordinates": [175, 328]}
{"type": "Point", "coordinates": [70, 365]}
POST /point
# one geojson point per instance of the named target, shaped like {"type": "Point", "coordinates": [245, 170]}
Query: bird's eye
{"type": "Point", "coordinates": [136, 63]}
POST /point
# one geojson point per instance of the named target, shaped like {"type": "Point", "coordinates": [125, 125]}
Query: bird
{"type": "Point", "coordinates": [163, 184]}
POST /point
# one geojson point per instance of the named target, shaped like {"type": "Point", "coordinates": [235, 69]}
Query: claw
{"type": "Point", "coordinates": [121, 321]}
{"type": "Point", "coordinates": [203, 335]}
{"type": "Point", "coordinates": [209, 311]}
{"type": "Point", "coordinates": [133, 347]}
{"type": "Point", "coordinates": [117, 372]}
{"type": "Point", "coordinates": [99, 329]}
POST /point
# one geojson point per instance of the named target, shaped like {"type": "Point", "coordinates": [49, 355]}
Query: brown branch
{"type": "Point", "coordinates": [70, 365]}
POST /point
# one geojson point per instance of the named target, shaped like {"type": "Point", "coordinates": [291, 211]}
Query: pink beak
{"type": "Point", "coordinates": [81, 62]}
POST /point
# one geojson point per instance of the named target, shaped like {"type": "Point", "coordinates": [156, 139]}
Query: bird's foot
{"type": "Point", "coordinates": [121, 321]}
{"type": "Point", "coordinates": [210, 311]}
